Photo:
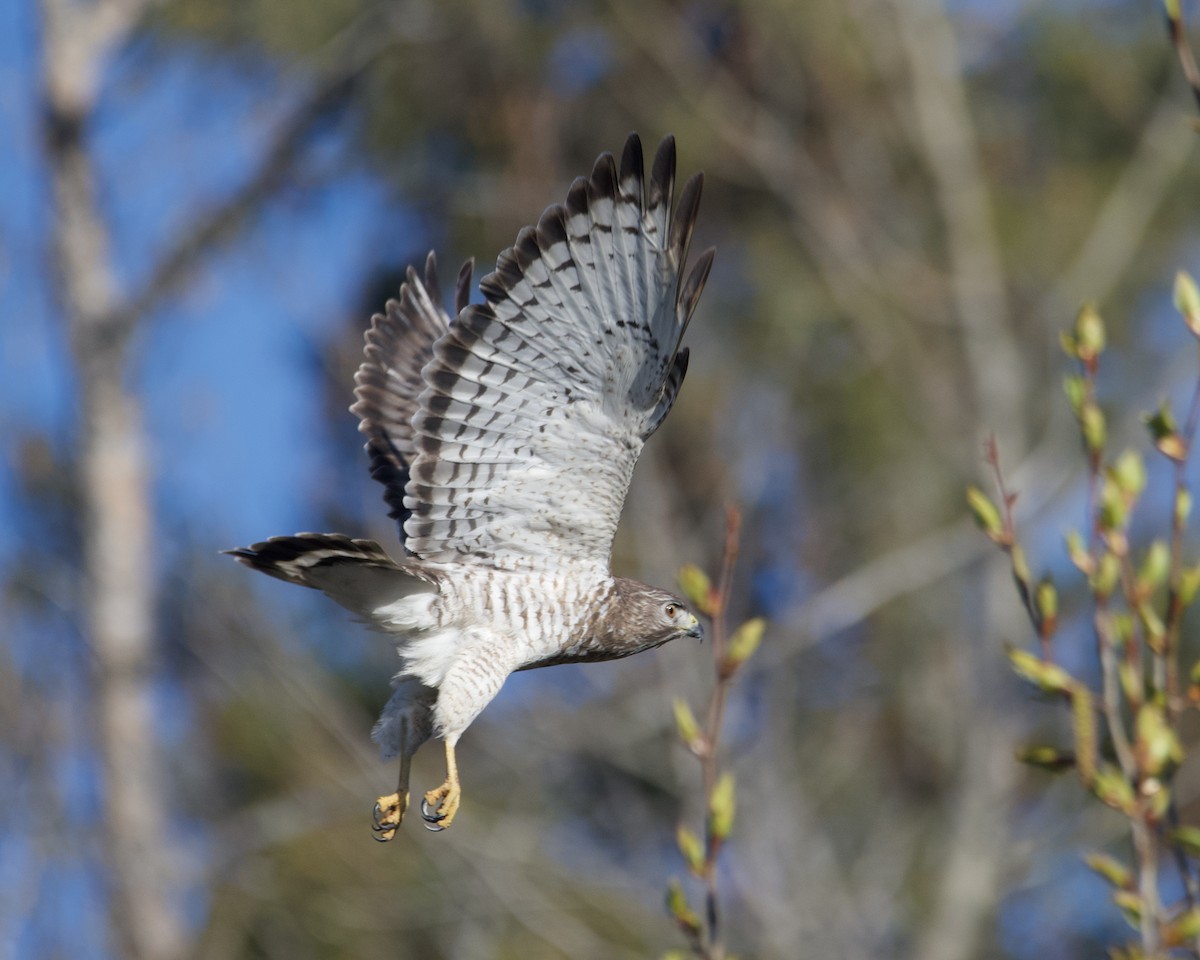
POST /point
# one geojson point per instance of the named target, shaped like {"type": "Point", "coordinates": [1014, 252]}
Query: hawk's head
{"type": "Point", "coordinates": [647, 617]}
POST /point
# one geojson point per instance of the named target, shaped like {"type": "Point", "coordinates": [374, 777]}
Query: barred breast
{"type": "Point", "coordinates": [545, 614]}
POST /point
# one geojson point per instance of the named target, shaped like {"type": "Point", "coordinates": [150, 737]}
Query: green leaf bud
{"type": "Point", "coordinates": [721, 808]}
{"type": "Point", "coordinates": [1153, 625]}
{"type": "Point", "coordinates": [1111, 869]}
{"type": "Point", "coordinates": [1046, 758]}
{"type": "Point", "coordinates": [1155, 567]}
{"type": "Point", "coordinates": [1020, 566]}
{"type": "Point", "coordinates": [1079, 554]}
{"type": "Point", "coordinates": [1114, 507]}
{"type": "Point", "coordinates": [743, 643]}
{"type": "Point", "coordinates": [1107, 576]}
{"type": "Point", "coordinates": [1165, 433]}
{"type": "Point", "coordinates": [1187, 301]}
{"type": "Point", "coordinates": [1130, 905]}
{"type": "Point", "coordinates": [1046, 601]}
{"type": "Point", "coordinates": [986, 514]}
{"type": "Point", "coordinates": [1189, 583]}
{"type": "Point", "coordinates": [689, 729]}
{"type": "Point", "coordinates": [1187, 839]}
{"type": "Point", "coordinates": [1075, 387]}
{"type": "Point", "coordinates": [1129, 473]}
{"type": "Point", "coordinates": [1095, 430]}
{"type": "Point", "coordinates": [1183, 506]}
{"type": "Point", "coordinates": [1156, 746]}
{"type": "Point", "coordinates": [697, 587]}
{"type": "Point", "coordinates": [681, 911]}
{"type": "Point", "coordinates": [692, 849]}
{"type": "Point", "coordinates": [1089, 333]}
{"type": "Point", "coordinates": [1111, 788]}
{"type": "Point", "coordinates": [1049, 677]}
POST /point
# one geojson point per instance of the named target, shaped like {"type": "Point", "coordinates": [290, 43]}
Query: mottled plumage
{"type": "Point", "coordinates": [505, 440]}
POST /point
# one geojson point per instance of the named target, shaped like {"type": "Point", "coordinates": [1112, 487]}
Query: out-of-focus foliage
{"type": "Point", "coordinates": [909, 200]}
{"type": "Point", "coordinates": [1138, 601]}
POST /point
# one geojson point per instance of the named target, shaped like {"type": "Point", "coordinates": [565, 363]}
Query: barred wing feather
{"type": "Point", "coordinates": [537, 402]}
{"type": "Point", "coordinates": [388, 384]}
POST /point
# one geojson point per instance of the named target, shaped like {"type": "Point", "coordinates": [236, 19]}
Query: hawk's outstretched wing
{"type": "Point", "coordinates": [398, 344]}
{"type": "Point", "coordinates": [538, 401]}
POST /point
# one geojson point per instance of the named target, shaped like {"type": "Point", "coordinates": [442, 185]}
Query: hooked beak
{"type": "Point", "coordinates": [695, 631]}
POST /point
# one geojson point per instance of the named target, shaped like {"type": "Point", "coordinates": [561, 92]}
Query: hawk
{"type": "Point", "coordinates": [505, 440]}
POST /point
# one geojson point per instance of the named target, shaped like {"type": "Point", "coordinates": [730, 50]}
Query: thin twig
{"type": "Point", "coordinates": [716, 715]}
{"type": "Point", "coordinates": [1183, 49]}
{"type": "Point", "coordinates": [1178, 526]}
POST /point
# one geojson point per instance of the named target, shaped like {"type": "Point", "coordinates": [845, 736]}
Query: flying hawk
{"type": "Point", "coordinates": [505, 440]}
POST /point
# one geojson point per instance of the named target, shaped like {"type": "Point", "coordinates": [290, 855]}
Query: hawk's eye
{"type": "Point", "coordinates": [671, 610]}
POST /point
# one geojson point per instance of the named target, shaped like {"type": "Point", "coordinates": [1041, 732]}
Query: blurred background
{"type": "Point", "coordinates": [202, 203]}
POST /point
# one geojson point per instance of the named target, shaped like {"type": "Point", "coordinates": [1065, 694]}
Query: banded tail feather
{"type": "Point", "coordinates": [358, 574]}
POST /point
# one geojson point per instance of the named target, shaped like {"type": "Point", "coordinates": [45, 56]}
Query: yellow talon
{"type": "Point", "coordinates": [441, 804]}
{"type": "Point", "coordinates": [389, 811]}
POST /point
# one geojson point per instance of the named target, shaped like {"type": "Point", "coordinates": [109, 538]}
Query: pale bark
{"type": "Point", "coordinates": [114, 483]}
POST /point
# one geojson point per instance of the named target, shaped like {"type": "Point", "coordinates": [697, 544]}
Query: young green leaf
{"type": "Point", "coordinates": [1075, 387]}
{"type": "Point", "coordinates": [1154, 569]}
{"type": "Point", "coordinates": [1183, 506]}
{"type": "Point", "coordinates": [1187, 301]}
{"type": "Point", "coordinates": [721, 808]}
{"type": "Point", "coordinates": [1129, 473]}
{"type": "Point", "coordinates": [1092, 423]}
{"type": "Point", "coordinates": [1079, 554]}
{"type": "Point", "coordinates": [1189, 583]}
{"type": "Point", "coordinates": [692, 849]}
{"type": "Point", "coordinates": [1165, 433]}
{"type": "Point", "coordinates": [1050, 677]}
{"type": "Point", "coordinates": [681, 911]}
{"type": "Point", "coordinates": [1187, 839]}
{"type": "Point", "coordinates": [1108, 574]}
{"type": "Point", "coordinates": [689, 729]}
{"type": "Point", "coordinates": [1182, 928]}
{"type": "Point", "coordinates": [1045, 599]}
{"type": "Point", "coordinates": [1156, 745]}
{"type": "Point", "coordinates": [1089, 333]}
{"type": "Point", "coordinates": [1111, 788]}
{"type": "Point", "coordinates": [985, 513]}
{"type": "Point", "coordinates": [1130, 905]}
{"type": "Point", "coordinates": [698, 589]}
{"type": "Point", "coordinates": [1046, 758]}
{"type": "Point", "coordinates": [743, 643]}
{"type": "Point", "coordinates": [1111, 869]}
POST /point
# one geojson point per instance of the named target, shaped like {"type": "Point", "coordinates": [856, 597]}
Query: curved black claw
{"type": "Point", "coordinates": [377, 817]}
{"type": "Point", "coordinates": [431, 827]}
{"type": "Point", "coordinates": [430, 815]}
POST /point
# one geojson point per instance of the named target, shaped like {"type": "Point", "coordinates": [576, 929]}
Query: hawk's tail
{"type": "Point", "coordinates": [358, 574]}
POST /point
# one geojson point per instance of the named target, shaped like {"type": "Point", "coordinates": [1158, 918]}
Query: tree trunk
{"type": "Point", "coordinates": [114, 485]}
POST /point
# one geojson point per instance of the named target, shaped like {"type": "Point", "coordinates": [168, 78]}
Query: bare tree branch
{"type": "Point", "coordinates": [346, 58]}
{"type": "Point", "coordinates": [1162, 153]}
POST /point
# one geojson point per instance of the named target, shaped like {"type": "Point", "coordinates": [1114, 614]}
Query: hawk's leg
{"type": "Point", "coordinates": [441, 804]}
{"type": "Point", "coordinates": [390, 810]}
{"type": "Point", "coordinates": [475, 676]}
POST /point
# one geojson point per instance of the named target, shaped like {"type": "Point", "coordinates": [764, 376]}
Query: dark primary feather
{"type": "Point", "coordinates": [398, 344]}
